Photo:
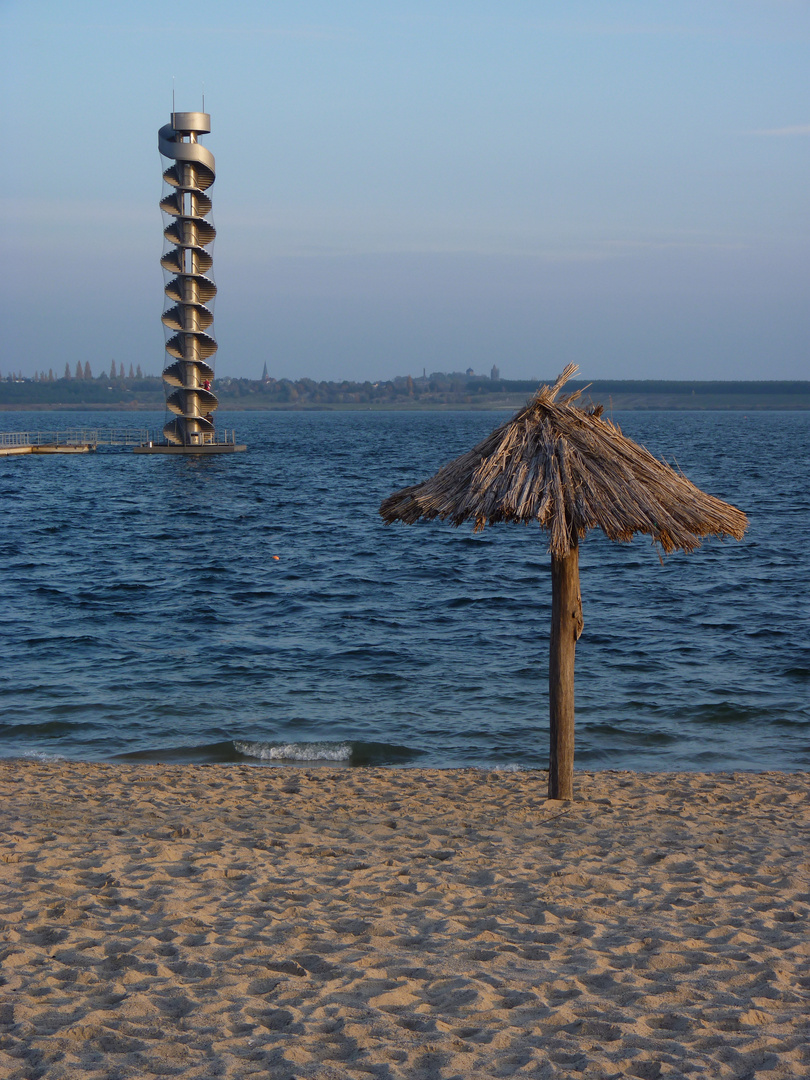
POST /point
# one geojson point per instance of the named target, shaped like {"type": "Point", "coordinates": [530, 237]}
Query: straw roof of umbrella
{"type": "Point", "coordinates": [570, 469]}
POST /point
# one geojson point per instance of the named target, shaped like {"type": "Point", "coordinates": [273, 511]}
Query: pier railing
{"type": "Point", "coordinates": [99, 437]}
{"type": "Point", "coordinates": [76, 437]}
{"type": "Point", "coordinates": [73, 440]}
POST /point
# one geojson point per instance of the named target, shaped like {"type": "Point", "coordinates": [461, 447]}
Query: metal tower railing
{"type": "Point", "coordinates": [189, 285]}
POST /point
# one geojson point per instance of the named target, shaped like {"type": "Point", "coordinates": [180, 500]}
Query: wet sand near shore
{"type": "Point", "coordinates": [236, 921]}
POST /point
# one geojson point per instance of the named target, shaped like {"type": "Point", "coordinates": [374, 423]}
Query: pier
{"type": "Point", "coordinates": [86, 440]}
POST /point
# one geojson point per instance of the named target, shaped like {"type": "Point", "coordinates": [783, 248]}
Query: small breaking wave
{"type": "Point", "coordinates": [241, 751]}
{"type": "Point", "coordinates": [41, 755]}
{"type": "Point", "coordinates": [338, 753]}
{"type": "Point", "coordinates": [295, 751]}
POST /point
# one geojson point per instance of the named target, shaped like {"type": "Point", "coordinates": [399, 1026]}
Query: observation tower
{"type": "Point", "coordinates": [188, 316]}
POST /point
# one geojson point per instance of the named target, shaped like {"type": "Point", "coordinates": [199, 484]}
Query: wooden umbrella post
{"type": "Point", "coordinates": [566, 626]}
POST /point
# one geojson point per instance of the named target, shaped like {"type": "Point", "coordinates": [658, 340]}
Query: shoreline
{"type": "Point", "coordinates": [496, 403]}
{"type": "Point", "coordinates": [175, 759]}
{"type": "Point", "coordinates": [230, 920]}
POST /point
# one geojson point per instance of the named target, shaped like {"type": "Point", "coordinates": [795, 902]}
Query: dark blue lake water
{"type": "Point", "coordinates": [143, 614]}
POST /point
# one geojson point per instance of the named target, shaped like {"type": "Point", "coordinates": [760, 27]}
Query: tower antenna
{"type": "Point", "coordinates": [172, 99]}
{"type": "Point", "coordinates": [203, 94]}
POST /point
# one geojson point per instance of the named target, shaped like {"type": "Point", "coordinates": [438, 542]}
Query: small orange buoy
{"type": "Point", "coordinates": [276, 557]}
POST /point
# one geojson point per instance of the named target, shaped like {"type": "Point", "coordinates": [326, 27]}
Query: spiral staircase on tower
{"type": "Point", "coordinates": [188, 317]}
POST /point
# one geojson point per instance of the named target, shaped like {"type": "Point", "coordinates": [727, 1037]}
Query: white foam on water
{"type": "Point", "coordinates": [295, 751]}
{"type": "Point", "coordinates": [41, 755]}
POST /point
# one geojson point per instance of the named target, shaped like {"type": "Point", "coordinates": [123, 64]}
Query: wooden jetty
{"type": "Point", "coordinates": [86, 440]}
{"type": "Point", "coordinates": [68, 441]}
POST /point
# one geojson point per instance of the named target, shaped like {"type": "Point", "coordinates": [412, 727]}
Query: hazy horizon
{"type": "Point", "coordinates": [547, 377]}
{"type": "Point", "coordinates": [524, 184]}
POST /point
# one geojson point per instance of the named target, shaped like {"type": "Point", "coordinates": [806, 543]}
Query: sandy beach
{"type": "Point", "coordinates": [229, 921]}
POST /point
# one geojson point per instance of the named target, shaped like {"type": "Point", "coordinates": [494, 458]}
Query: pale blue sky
{"type": "Point", "coordinates": [418, 185]}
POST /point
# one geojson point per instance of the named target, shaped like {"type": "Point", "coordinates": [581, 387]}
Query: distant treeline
{"type": "Point", "coordinates": [655, 386]}
{"type": "Point", "coordinates": [77, 392]}
{"type": "Point", "coordinates": [472, 391]}
{"type": "Point", "coordinates": [434, 391]}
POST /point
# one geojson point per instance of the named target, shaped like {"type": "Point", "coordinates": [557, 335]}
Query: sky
{"type": "Point", "coordinates": [407, 186]}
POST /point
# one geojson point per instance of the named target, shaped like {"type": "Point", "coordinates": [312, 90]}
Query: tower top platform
{"type": "Point", "coordinates": [198, 122]}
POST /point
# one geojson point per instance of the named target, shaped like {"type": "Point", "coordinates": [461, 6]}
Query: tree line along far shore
{"type": "Point", "coordinates": [130, 388]}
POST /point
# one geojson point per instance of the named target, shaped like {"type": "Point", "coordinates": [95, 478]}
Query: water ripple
{"type": "Point", "coordinates": [179, 609]}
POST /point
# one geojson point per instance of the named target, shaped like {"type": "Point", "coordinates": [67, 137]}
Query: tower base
{"type": "Point", "coordinates": [197, 451]}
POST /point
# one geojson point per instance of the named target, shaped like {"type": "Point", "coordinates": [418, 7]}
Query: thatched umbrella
{"type": "Point", "coordinates": [570, 470]}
